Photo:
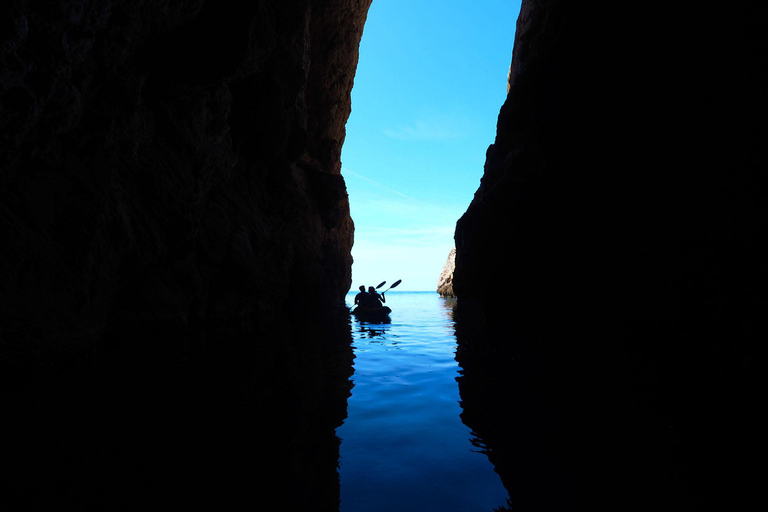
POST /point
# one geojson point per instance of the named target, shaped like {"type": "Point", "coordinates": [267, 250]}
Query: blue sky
{"type": "Point", "coordinates": [430, 82]}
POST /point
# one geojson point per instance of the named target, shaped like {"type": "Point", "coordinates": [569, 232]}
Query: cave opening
{"type": "Point", "coordinates": [428, 88]}
{"type": "Point", "coordinates": [170, 184]}
{"type": "Point", "coordinates": [429, 85]}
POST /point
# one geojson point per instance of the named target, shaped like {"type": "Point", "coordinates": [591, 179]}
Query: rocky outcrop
{"type": "Point", "coordinates": [445, 281]}
{"type": "Point", "coordinates": [170, 162]}
{"type": "Point", "coordinates": [620, 206]}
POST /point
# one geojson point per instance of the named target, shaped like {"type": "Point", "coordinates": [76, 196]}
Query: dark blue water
{"type": "Point", "coordinates": [403, 445]}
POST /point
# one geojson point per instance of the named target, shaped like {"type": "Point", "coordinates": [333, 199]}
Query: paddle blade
{"type": "Point", "coordinates": [382, 284]}
{"type": "Point", "coordinates": [396, 283]}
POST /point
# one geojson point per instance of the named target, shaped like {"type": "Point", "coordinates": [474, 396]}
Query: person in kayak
{"type": "Point", "coordinates": [374, 300]}
{"type": "Point", "coordinates": [361, 296]}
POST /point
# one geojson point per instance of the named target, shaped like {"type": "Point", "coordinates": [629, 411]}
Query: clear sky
{"type": "Point", "coordinates": [430, 82]}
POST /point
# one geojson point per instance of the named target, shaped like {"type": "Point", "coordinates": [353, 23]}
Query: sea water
{"type": "Point", "coordinates": [403, 444]}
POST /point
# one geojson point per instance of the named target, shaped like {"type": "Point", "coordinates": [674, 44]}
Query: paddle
{"type": "Point", "coordinates": [392, 286]}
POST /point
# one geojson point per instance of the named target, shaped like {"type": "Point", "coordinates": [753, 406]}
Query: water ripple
{"type": "Point", "coordinates": [403, 445]}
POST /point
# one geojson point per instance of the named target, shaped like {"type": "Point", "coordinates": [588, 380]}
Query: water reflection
{"type": "Point", "coordinates": [374, 330]}
{"type": "Point", "coordinates": [448, 305]}
{"type": "Point", "coordinates": [502, 404]}
{"type": "Point", "coordinates": [238, 418]}
{"type": "Point", "coordinates": [234, 419]}
{"type": "Point", "coordinates": [403, 444]}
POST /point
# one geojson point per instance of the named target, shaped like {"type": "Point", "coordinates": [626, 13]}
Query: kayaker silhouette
{"type": "Point", "coordinates": [360, 297]}
{"type": "Point", "coordinates": [370, 304]}
{"type": "Point", "coordinates": [375, 300]}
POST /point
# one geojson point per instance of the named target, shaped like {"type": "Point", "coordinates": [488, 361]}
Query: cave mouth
{"type": "Point", "coordinates": [427, 93]}
{"type": "Point", "coordinates": [170, 185]}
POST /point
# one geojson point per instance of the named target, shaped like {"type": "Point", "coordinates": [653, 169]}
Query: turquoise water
{"type": "Point", "coordinates": [403, 445]}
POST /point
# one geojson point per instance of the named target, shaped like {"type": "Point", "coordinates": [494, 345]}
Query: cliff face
{"type": "Point", "coordinates": [170, 200]}
{"type": "Point", "coordinates": [170, 162]}
{"type": "Point", "coordinates": [623, 162]}
{"type": "Point", "coordinates": [614, 256]}
{"type": "Point", "coordinates": [445, 281]}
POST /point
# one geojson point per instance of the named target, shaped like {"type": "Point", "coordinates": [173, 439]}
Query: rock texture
{"type": "Point", "coordinates": [170, 162]}
{"type": "Point", "coordinates": [622, 207]}
{"type": "Point", "coordinates": [171, 204]}
{"type": "Point", "coordinates": [445, 281]}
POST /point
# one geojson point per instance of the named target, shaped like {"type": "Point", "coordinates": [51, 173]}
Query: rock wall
{"type": "Point", "coordinates": [623, 162]}
{"type": "Point", "coordinates": [171, 206]}
{"type": "Point", "coordinates": [614, 255]}
{"type": "Point", "coordinates": [445, 281]}
{"type": "Point", "coordinates": [170, 163]}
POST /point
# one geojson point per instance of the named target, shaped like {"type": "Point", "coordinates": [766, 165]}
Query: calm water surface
{"type": "Point", "coordinates": [403, 445]}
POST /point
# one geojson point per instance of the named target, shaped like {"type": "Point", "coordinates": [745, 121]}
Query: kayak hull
{"type": "Point", "coordinates": [372, 313]}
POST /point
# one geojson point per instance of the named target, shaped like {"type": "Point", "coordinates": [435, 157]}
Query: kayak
{"type": "Point", "coordinates": [372, 313]}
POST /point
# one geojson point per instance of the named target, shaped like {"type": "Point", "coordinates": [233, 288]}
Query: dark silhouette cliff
{"type": "Point", "coordinates": [170, 162]}
{"type": "Point", "coordinates": [171, 205]}
{"type": "Point", "coordinates": [614, 259]}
